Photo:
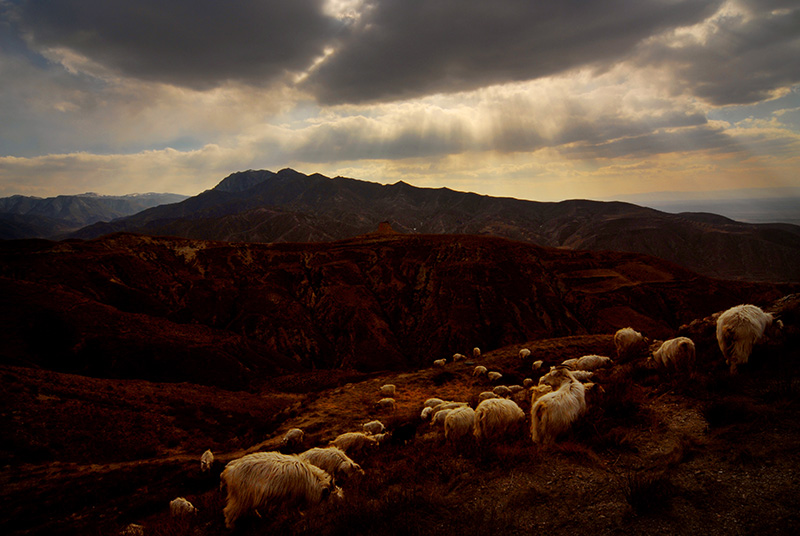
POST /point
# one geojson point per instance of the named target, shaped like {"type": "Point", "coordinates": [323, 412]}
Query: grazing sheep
{"type": "Point", "coordinates": [486, 395]}
{"type": "Point", "coordinates": [206, 461]}
{"type": "Point", "coordinates": [571, 363]}
{"type": "Point", "coordinates": [440, 363]}
{"type": "Point", "coordinates": [333, 461]}
{"type": "Point", "coordinates": [515, 388]}
{"type": "Point", "coordinates": [528, 383]}
{"type": "Point", "coordinates": [557, 376]}
{"type": "Point", "coordinates": [459, 357]}
{"type": "Point", "coordinates": [293, 437]}
{"type": "Point", "coordinates": [264, 479]}
{"type": "Point", "coordinates": [524, 352]}
{"type": "Point", "coordinates": [180, 507]}
{"type": "Point", "coordinates": [629, 344]}
{"type": "Point", "coordinates": [494, 376]}
{"type": "Point", "coordinates": [676, 354]}
{"type": "Point", "coordinates": [591, 362]}
{"type": "Point", "coordinates": [448, 405]}
{"type": "Point", "coordinates": [554, 413]}
{"type": "Point", "coordinates": [495, 418]}
{"type": "Point", "coordinates": [476, 353]}
{"type": "Point", "coordinates": [440, 416]}
{"type": "Point", "coordinates": [426, 413]}
{"type": "Point", "coordinates": [386, 404]}
{"type": "Point", "coordinates": [582, 375]}
{"type": "Point", "coordinates": [459, 423]}
{"type": "Point", "coordinates": [432, 402]}
{"type": "Point", "coordinates": [502, 390]}
{"type": "Point", "coordinates": [480, 370]}
{"type": "Point", "coordinates": [740, 328]}
{"type": "Point", "coordinates": [373, 427]}
{"type": "Point", "coordinates": [380, 438]}
{"type": "Point", "coordinates": [536, 365]}
{"type": "Point", "coordinates": [387, 390]}
{"type": "Point", "coordinates": [354, 442]}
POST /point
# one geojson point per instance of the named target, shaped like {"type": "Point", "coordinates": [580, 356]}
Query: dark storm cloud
{"type": "Point", "coordinates": [744, 60]}
{"type": "Point", "coordinates": [407, 48]}
{"type": "Point", "coordinates": [193, 43]}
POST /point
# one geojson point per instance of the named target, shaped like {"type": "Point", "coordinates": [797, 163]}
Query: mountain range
{"type": "Point", "coordinates": [288, 206]}
{"type": "Point", "coordinates": [35, 217]}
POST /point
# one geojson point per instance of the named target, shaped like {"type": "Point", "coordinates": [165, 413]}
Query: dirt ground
{"type": "Point", "coordinates": [656, 452]}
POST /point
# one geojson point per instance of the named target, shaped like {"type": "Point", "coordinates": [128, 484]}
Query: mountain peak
{"type": "Point", "coordinates": [243, 180]}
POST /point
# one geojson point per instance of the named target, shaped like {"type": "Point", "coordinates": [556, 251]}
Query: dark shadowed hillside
{"type": "Point", "coordinates": [261, 206]}
{"type": "Point", "coordinates": [169, 309]}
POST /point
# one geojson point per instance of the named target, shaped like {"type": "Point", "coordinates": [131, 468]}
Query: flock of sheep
{"type": "Point", "coordinates": [263, 479]}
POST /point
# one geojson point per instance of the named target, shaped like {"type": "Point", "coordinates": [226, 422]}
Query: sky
{"type": "Point", "coordinates": [540, 100]}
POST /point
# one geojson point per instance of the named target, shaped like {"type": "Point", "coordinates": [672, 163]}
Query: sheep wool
{"type": "Point", "coordinates": [524, 352]}
{"type": "Point", "coordinates": [293, 437]}
{"type": "Point", "coordinates": [554, 413]}
{"type": "Point", "coordinates": [387, 390]}
{"type": "Point", "coordinates": [739, 329]}
{"type": "Point", "coordinates": [264, 479]}
{"type": "Point", "coordinates": [494, 376]}
{"type": "Point", "coordinates": [480, 370]}
{"type": "Point", "coordinates": [354, 442]}
{"type": "Point", "coordinates": [678, 353]}
{"type": "Point", "coordinates": [373, 427]}
{"type": "Point", "coordinates": [206, 460]}
{"type": "Point", "coordinates": [628, 343]}
{"type": "Point", "coordinates": [459, 423]}
{"type": "Point", "coordinates": [333, 461]}
{"type": "Point", "coordinates": [179, 507]}
{"type": "Point", "coordinates": [495, 418]}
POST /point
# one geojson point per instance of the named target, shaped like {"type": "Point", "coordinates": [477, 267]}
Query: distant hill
{"type": "Point", "coordinates": [36, 217]}
{"type": "Point", "coordinates": [288, 206]}
{"type": "Point", "coordinates": [167, 309]}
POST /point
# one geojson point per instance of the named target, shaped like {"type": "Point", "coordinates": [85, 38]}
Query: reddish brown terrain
{"type": "Point", "coordinates": [127, 356]}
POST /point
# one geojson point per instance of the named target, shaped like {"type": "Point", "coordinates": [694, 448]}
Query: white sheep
{"type": "Point", "coordinates": [557, 376]}
{"type": "Point", "coordinates": [179, 507]}
{"type": "Point", "coordinates": [742, 327]}
{"type": "Point", "coordinates": [432, 402]}
{"type": "Point", "coordinates": [582, 375]}
{"type": "Point", "coordinates": [592, 362]}
{"type": "Point", "coordinates": [459, 423]}
{"type": "Point", "coordinates": [524, 352]}
{"type": "Point", "coordinates": [440, 416]}
{"type": "Point", "coordinates": [448, 405]}
{"type": "Point", "coordinates": [387, 390]}
{"type": "Point", "coordinates": [426, 413]}
{"type": "Point", "coordinates": [486, 395]}
{"type": "Point", "coordinates": [554, 412]}
{"type": "Point", "coordinates": [536, 365]}
{"type": "Point", "coordinates": [293, 437]}
{"type": "Point", "coordinates": [373, 427]}
{"type": "Point", "coordinates": [480, 370]}
{"type": "Point", "coordinates": [527, 383]}
{"type": "Point", "coordinates": [538, 391]}
{"type": "Point", "coordinates": [440, 363]}
{"type": "Point", "coordinates": [676, 354]}
{"type": "Point", "coordinates": [459, 357]}
{"type": "Point", "coordinates": [333, 461]}
{"type": "Point", "coordinates": [354, 442]}
{"type": "Point", "coordinates": [476, 352]}
{"type": "Point", "coordinates": [206, 461]}
{"type": "Point", "coordinates": [571, 363]}
{"type": "Point", "coordinates": [629, 343]}
{"type": "Point", "coordinates": [386, 404]}
{"type": "Point", "coordinates": [495, 418]}
{"type": "Point", "coordinates": [264, 479]}
{"type": "Point", "coordinates": [494, 376]}
{"type": "Point", "coordinates": [502, 390]}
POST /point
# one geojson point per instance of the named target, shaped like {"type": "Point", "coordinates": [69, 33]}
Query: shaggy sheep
{"type": "Point", "coordinates": [293, 437]}
{"type": "Point", "coordinates": [387, 390]}
{"type": "Point", "coordinates": [740, 328]}
{"type": "Point", "coordinates": [206, 461]}
{"type": "Point", "coordinates": [476, 353]}
{"type": "Point", "coordinates": [629, 344]}
{"type": "Point", "coordinates": [386, 404]}
{"type": "Point", "coordinates": [486, 395]}
{"type": "Point", "coordinates": [676, 354]}
{"type": "Point", "coordinates": [591, 362]}
{"type": "Point", "coordinates": [571, 363]}
{"type": "Point", "coordinates": [515, 388]}
{"type": "Point", "coordinates": [440, 416]}
{"type": "Point", "coordinates": [524, 352]}
{"type": "Point", "coordinates": [539, 391]}
{"type": "Point", "coordinates": [536, 365]}
{"type": "Point", "coordinates": [354, 442]}
{"type": "Point", "coordinates": [263, 479]}
{"type": "Point", "coordinates": [380, 438]}
{"type": "Point", "coordinates": [432, 402]}
{"type": "Point", "coordinates": [179, 507]}
{"type": "Point", "coordinates": [447, 405]}
{"type": "Point", "coordinates": [528, 383]}
{"type": "Point", "coordinates": [440, 363]}
{"type": "Point", "coordinates": [426, 413]}
{"type": "Point", "coordinates": [582, 375]}
{"type": "Point", "coordinates": [554, 413]}
{"type": "Point", "coordinates": [459, 357]}
{"type": "Point", "coordinates": [373, 427]}
{"type": "Point", "coordinates": [480, 370]}
{"type": "Point", "coordinates": [495, 418]}
{"type": "Point", "coordinates": [557, 376]}
{"type": "Point", "coordinates": [502, 390]}
{"type": "Point", "coordinates": [333, 461]}
{"type": "Point", "coordinates": [494, 376]}
{"type": "Point", "coordinates": [459, 423]}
